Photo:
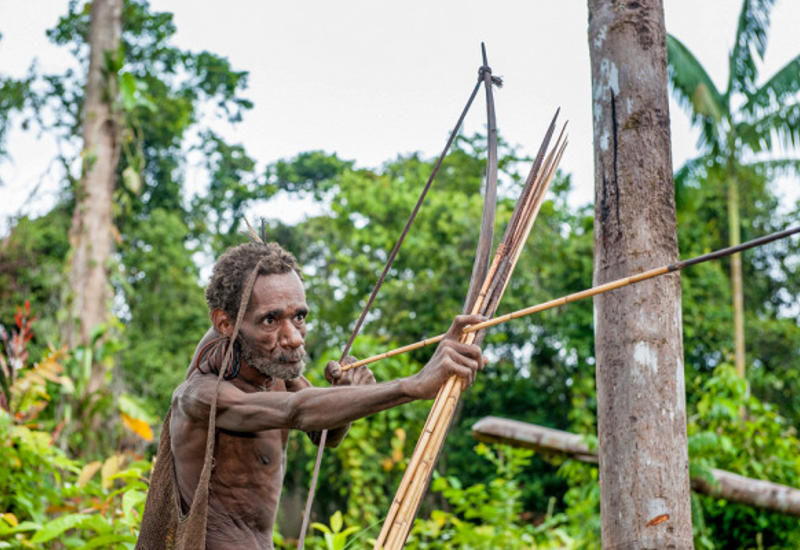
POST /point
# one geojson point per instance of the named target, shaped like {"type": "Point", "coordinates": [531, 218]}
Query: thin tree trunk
{"type": "Point", "coordinates": [734, 227]}
{"type": "Point", "coordinates": [641, 406]}
{"type": "Point", "coordinates": [733, 487]}
{"type": "Point", "coordinates": [91, 231]}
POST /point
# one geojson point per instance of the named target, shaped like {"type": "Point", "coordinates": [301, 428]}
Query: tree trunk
{"type": "Point", "coordinates": [91, 232]}
{"type": "Point", "coordinates": [735, 238]}
{"type": "Point", "coordinates": [641, 406]}
{"type": "Point", "coordinates": [727, 485]}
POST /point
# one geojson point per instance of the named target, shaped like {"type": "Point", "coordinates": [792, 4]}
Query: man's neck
{"type": "Point", "coordinates": [251, 379]}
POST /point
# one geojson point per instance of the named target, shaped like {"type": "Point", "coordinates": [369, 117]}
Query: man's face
{"type": "Point", "coordinates": [273, 330]}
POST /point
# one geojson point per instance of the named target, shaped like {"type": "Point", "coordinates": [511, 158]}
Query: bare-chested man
{"type": "Point", "coordinates": [269, 395]}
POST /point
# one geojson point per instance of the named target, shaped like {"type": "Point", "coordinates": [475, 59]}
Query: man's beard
{"type": "Point", "coordinates": [283, 364]}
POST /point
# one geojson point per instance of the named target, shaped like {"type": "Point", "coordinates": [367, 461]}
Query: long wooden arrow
{"type": "Point", "coordinates": [588, 293]}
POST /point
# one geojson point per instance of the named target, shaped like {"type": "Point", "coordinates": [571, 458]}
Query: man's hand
{"type": "Point", "coordinates": [450, 358]}
{"type": "Point", "coordinates": [358, 376]}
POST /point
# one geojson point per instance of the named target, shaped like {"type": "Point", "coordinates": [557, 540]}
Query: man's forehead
{"type": "Point", "coordinates": [278, 291]}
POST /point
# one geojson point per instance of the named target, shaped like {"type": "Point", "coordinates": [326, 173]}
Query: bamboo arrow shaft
{"type": "Point", "coordinates": [588, 293]}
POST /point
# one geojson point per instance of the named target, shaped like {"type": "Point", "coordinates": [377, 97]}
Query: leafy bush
{"type": "Point", "coordinates": [488, 515]}
{"type": "Point", "coordinates": [46, 497]}
{"type": "Point", "coordinates": [735, 431]}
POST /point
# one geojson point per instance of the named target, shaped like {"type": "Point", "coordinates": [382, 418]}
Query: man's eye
{"type": "Point", "coordinates": [268, 320]}
{"type": "Point", "coordinates": [300, 317]}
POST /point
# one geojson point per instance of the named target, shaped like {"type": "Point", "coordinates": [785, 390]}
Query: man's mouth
{"type": "Point", "coordinates": [290, 358]}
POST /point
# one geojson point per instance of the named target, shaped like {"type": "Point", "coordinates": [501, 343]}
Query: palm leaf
{"type": "Point", "coordinates": [776, 167]}
{"type": "Point", "coordinates": [783, 84]}
{"type": "Point", "coordinates": [694, 89]}
{"type": "Point", "coordinates": [751, 34]}
{"type": "Point", "coordinates": [783, 121]}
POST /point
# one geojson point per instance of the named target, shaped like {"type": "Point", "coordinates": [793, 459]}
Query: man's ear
{"type": "Point", "coordinates": [222, 322]}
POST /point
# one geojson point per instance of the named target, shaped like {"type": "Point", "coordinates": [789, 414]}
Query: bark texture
{"type": "Point", "coordinates": [644, 467]}
{"type": "Point", "coordinates": [91, 234]}
{"type": "Point", "coordinates": [727, 485]}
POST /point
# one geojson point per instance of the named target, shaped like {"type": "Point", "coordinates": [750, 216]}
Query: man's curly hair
{"type": "Point", "coordinates": [224, 291]}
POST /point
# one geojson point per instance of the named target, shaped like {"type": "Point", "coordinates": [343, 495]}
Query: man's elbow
{"type": "Point", "coordinates": [336, 436]}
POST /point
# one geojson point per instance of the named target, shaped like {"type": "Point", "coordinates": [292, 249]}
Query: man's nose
{"type": "Point", "coordinates": [290, 337]}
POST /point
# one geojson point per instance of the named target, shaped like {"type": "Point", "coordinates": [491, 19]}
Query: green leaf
{"type": "Point", "coordinates": [751, 35]}
{"type": "Point", "coordinates": [783, 85]}
{"type": "Point", "coordinates": [321, 527]}
{"type": "Point", "coordinates": [55, 527]}
{"type": "Point", "coordinates": [691, 83]}
{"type": "Point", "coordinates": [19, 528]}
{"type": "Point", "coordinates": [127, 90]}
{"type": "Point", "coordinates": [132, 499]}
{"type": "Point", "coordinates": [336, 521]}
{"type": "Point", "coordinates": [108, 540]}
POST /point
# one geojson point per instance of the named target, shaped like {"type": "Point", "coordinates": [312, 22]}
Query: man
{"type": "Point", "coordinates": [263, 396]}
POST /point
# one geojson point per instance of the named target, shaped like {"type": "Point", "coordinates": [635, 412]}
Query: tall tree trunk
{"type": "Point", "coordinates": [641, 405]}
{"type": "Point", "coordinates": [91, 231]}
{"type": "Point", "coordinates": [734, 230]}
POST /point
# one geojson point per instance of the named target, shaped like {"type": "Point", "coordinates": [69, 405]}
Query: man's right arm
{"type": "Point", "coordinates": [313, 409]}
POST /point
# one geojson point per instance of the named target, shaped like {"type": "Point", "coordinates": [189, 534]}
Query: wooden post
{"type": "Point", "coordinates": [644, 467]}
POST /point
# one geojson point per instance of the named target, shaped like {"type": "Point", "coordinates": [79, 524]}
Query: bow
{"type": "Point", "coordinates": [481, 260]}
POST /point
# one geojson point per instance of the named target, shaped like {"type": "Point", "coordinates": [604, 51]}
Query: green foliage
{"type": "Point", "coordinates": [488, 515]}
{"type": "Point", "coordinates": [344, 249]}
{"type": "Point", "coordinates": [729, 430]}
{"type": "Point", "coordinates": [45, 496]}
{"type": "Point", "coordinates": [32, 268]}
{"type": "Point", "coordinates": [735, 126]}
{"type": "Point", "coordinates": [167, 312]}
{"type": "Point", "coordinates": [760, 444]}
{"type": "Point", "coordinates": [336, 535]}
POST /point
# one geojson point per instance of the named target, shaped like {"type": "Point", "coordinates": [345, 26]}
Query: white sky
{"type": "Point", "coordinates": [370, 80]}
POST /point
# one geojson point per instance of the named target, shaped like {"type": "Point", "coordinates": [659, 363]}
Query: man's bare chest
{"type": "Point", "coordinates": [250, 457]}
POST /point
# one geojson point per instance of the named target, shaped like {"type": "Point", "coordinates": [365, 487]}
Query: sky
{"type": "Point", "coordinates": [371, 80]}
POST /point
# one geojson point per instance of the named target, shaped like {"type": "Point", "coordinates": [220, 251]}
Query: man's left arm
{"type": "Point", "coordinates": [334, 375]}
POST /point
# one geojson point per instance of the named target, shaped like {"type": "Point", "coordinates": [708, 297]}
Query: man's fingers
{"type": "Point", "coordinates": [466, 374]}
{"type": "Point", "coordinates": [463, 366]}
{"type": "Point", "coordinates": [461, 321]}
{"type": "Point", "coordinates": [363, 375]}
{"type": "Point", "coordinates": [333, 371]}
{"type": "Point", "coordinates": [470, 350]}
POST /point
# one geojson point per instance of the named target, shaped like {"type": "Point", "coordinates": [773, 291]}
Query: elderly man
{"type": "Point", "coordinates": [263, 396]}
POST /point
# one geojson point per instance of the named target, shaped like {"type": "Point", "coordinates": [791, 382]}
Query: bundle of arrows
{"type": "Point", "coordinates": [415, 481]}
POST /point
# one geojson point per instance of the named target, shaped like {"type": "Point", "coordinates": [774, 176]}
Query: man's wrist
{"type": "Point", "coordinates": [408, 386]}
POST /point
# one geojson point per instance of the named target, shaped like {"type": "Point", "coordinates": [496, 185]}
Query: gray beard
{"type": "Point", "coordinates": [284, 370]}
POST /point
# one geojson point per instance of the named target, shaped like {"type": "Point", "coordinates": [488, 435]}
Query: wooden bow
{"type": "Point", "coordinates": [486, 78]}
{"type": "Point", "coordinates": [492, 284]}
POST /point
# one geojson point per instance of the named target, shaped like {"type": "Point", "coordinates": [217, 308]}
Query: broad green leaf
{"type": "Point", "coordinates": [127, 89]}
{"type": "Point", "coordinates": [55, 527]}
{"type": "Point", "coordinates": [131, 499]}
{"type": "Point", "coordinates": [321, 527]}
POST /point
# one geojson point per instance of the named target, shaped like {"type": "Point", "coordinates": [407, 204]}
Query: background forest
{"type": "Point", "coordinates": [79, 420]}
